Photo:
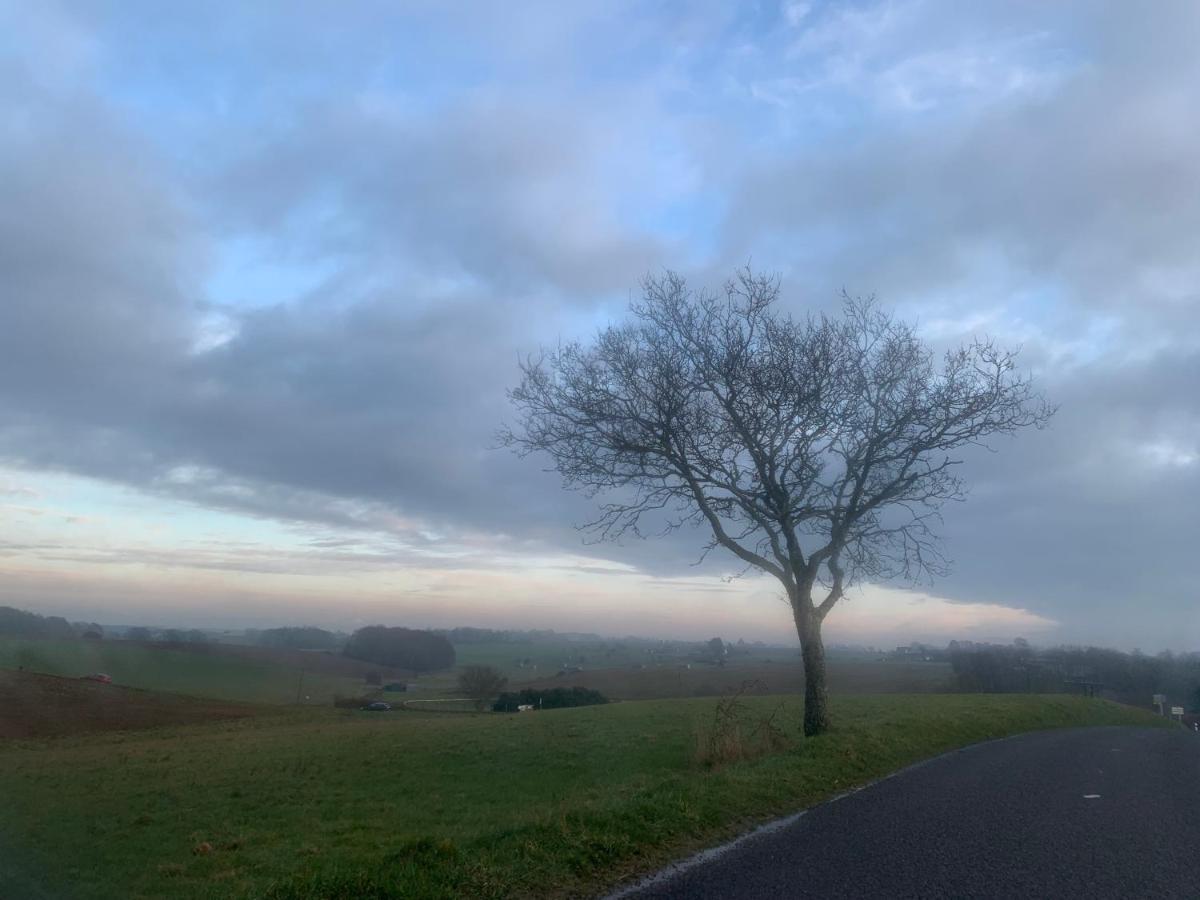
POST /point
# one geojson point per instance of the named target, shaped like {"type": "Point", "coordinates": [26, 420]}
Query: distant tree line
{"type": "Point", "coordinates": [179, 636]}
{"type": "Point", "coordinates": [400, 648]}
{"type": "Point", "coordinates": [19, 623]}
{"type": "Point", "coordinates": [554, 698]}
{"type": "Point", "coordinates": [1131, 677]}
{"type": "Point", "coordinates": [469, 635]}
{"type": "Point", "coordinates": [1003, 668]}
{"type": "Point", "coordinates": [166, 635]}
{"type": "Point", "coordinates": [304, 637]}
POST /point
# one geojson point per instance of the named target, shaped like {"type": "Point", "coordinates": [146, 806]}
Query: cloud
{"type": "Point", "coordinates": [292, 276]}
{"type": "Point", "coordinates": [511, 196]}
{"type": "Point", "coordinates": [880, 615]}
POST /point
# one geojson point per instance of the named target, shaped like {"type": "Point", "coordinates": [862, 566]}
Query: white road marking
{"type": "Point", "coordinates": [1091, 796]}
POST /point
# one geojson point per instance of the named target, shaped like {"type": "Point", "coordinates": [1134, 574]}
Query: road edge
{"type": "Point", "coordinates": [767, 828]}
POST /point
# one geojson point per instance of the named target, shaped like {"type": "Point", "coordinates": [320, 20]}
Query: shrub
{"type": "Point", "coordinates": [737, 732]}
{"type": "Point", "coordinates": [554, 698]}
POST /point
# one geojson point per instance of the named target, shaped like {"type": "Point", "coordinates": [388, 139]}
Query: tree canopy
{"type": "Point", "coordinates": [400, 648]}
{"type": "Point", "coordinates": [816, 449]}
{"type": "Point", "coordinates": [20, 623]}
{"type": "Point", "coordinates": [480, 684]}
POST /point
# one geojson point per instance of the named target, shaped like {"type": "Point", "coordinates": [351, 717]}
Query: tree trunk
{"type": "Point", "coordinates": [816, 694]}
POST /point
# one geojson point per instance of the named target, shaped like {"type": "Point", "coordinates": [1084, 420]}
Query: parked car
{"type": "Point", "coordinates": [99, 676]}
{"type": "Point", "coordinates": [378, 706]}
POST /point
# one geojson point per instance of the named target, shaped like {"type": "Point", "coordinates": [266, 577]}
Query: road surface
{"type": "Point", "coordinates": [1084, 812]}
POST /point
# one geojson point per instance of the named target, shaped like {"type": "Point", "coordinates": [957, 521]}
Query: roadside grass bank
{"type": "Point", "coordinates": [330, 804]}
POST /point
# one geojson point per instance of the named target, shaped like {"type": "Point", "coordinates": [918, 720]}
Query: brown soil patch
{"type": "Point", "coordinates": [40, 706]}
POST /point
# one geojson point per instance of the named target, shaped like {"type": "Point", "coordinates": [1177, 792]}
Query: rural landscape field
{"type": "Point", "coordinates": [609, 450]}
{"type": "Point", "coordinates": [196, 773]}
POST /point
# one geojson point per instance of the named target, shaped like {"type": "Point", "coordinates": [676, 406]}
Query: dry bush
{"type": "Point", "coordinates": [738, 732]}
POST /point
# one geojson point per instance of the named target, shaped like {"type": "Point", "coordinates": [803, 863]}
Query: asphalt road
{"type": "Point", "coordinates": [1085, 812]}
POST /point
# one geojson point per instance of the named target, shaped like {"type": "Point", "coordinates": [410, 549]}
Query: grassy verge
{"type": "Point", "coordinates": [424, 805]}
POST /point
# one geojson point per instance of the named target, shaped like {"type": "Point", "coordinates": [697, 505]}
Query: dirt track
{"type": "Point", "coordinates": [40, 706]}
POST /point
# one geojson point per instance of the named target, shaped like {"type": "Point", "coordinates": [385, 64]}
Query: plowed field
{"type": "Point", "coordinates": [38, 706]}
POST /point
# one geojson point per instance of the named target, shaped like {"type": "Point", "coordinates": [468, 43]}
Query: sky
{"type": "Point", "coordinates": [267, 270]}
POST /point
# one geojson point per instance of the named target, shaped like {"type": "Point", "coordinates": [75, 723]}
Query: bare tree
{"type": "Point", "coordinates": [817, 450]}
{"type": "Point", "coordinates": [481, 684]}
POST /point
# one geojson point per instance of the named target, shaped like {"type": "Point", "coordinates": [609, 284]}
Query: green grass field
{"type": "Point", "coordinates": [845, 677]}
{"type": "Point", "coordinates": [177, 671]}
{"type": "Point", "coordinates": [324, 803]}
{"type": "Point", "coordinates": [263, 676]}
{"type": "Point", "coordinates": [545, 657]}
{"type": "Point", "coordinates": [624, 671]}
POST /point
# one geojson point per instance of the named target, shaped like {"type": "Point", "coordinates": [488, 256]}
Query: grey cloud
{"type": "Point", "coordinates": [1088, 190]}
{"type": "Point", "coordinates": [457, 237]}
{"type": "Point", "coordinates": [516, 197]}
{"type": "Point", "coordinates": [1083, 520]}
{"type": "Point", "coordinates": [337, 408]}
{"type": "Point", "coordinates": [96, 253]}
{"type": "Point", "coordinates": [1076, 209]}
